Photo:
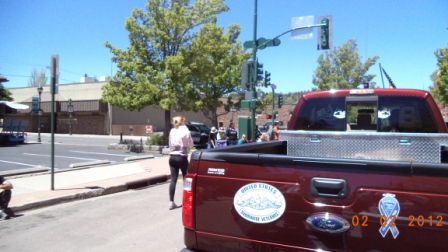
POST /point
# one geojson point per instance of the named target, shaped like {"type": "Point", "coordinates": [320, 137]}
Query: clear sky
{"type": "Point", "coordinates": [404, 34]}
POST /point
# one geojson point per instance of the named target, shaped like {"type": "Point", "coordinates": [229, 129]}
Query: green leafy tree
{"type": "Point", "coordinates": [214, 59]}
{"type": "Point", "coordinates": [151, 72]}
{"type": "Point", "coordinates": [265, 104]}
{"type": "Point", "coordinates": [440, 77]}
{"type": "Point", "coordinates": [5, 94]}
{"type": "Point", "coordinates": [341, 67]}
{"type": "Point", "coordinates": [37, 78]}
{"type": "Point", "coordinates": [290, 100]}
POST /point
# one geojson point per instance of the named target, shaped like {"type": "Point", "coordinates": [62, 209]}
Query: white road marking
{"type": "Point", "coordinates": [61, 156]}
{"type": "Point", "coordinates": [9, 162]}
{"type": "Point", "coordinates": [100, 153]}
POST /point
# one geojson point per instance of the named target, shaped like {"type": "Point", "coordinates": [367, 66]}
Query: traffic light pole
{"type": "Point", "coordinates": [255, 46]}
{"type": "Point", "coordinates": [254, 72]}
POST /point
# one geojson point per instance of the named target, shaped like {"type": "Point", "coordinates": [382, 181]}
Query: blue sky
{"type": "Point", "coordinates": [404, 34]}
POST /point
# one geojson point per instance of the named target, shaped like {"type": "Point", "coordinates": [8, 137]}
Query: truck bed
{"type": "Point", "coordinates": [264, 197]}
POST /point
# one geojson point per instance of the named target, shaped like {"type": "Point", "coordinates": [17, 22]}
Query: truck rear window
{"type": "Point", "coordinates": [322, 114]}
{"type": "Point", "coordinates": [383, 114]}
{"type": "Point", "coordinates": [405, 114]}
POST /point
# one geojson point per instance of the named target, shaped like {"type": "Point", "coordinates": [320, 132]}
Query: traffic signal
{"type": "Point", "coordinates": [268, 116]}
{"type": "Point", "coordinates": [325, 35]}
{"type": "Point", "coordinates": [259, 71]}
{"type": "Point", "coordinates": [267, 78]}
{"type": "Point", "coordinates": [246, 70]}
{"type": "Point", "coordinates": [280, 101]}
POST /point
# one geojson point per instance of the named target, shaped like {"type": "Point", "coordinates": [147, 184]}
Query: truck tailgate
{"type": "Point", "coordinates": [267, 202]}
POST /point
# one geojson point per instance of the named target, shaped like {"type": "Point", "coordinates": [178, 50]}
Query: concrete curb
{"type": "Point", "coordinates": [76, 165]}
{"type": "Point", "coordinates": [23, 171]}
{"type": "Point", "coordinates": [138, 157]}
{"type": "Point", "coordinates": [68, 198]}
{"type": "Point", "coordinates": [92, 192]}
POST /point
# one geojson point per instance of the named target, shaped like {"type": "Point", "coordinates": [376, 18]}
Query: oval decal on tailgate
{"type": "Point", "coordinates": [327, 222]}
{"type": "Point", "coordinates": [259, 203]}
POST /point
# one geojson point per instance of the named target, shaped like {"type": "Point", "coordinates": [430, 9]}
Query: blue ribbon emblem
{"type": "Point", "coordinates": [389, 206]}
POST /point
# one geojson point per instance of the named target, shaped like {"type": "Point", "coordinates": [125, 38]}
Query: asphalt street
{"type": "Point", "coordinates": [67, 150]}
{"type": "Point", "coordinates": [135, 220]}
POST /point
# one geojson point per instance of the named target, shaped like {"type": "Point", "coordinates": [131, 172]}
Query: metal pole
{"type": "Point", "coordinates": [382, 80]}
{"type": "Point", "coordinates": [53, 90]}
{"type": "Point", "coordinates": [70, 123]}
{"type": "Point", "coordinates": [254, 75]}
{"type": "Point", "coordinates": [273, 104]}
{"type": "Point", "coordinates": [70, 109]}
{"type": "Point", "coordinates": [39, 90]}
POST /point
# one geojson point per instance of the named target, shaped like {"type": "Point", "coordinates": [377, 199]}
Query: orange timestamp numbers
{"type": "Point", "coordinates": [414, 221]}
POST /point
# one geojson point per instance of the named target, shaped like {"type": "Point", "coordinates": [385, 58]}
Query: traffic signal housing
{"type": "Point", "coordinates": [325, 33]}
{"type": "Point", "coordinates": [246, 70]}
{"type": "Point", "coordinates": [267, 78]}
{"type": "Point", "coordinates": [268, 116]}
{"type": "Point", "coordinates": [280, 101]}
{"type": "Point", "coordinates": [259, 71]}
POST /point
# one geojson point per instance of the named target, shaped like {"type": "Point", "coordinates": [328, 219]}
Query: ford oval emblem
{"type": "Point", "coordinates": [328, 223]}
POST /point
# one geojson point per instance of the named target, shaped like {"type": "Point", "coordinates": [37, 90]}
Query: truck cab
{"type": "Point", "coordinates": [380, 110]}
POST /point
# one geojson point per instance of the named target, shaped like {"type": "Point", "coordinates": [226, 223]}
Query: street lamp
{"type": "Point", "coordinates": [39, 113]}
{"type": "Point", "coordinates": [70, 111]}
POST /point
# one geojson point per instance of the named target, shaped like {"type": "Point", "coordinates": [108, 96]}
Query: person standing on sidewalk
{"type": "Point", "coordinates": [5, 197]}
{"type": "Point", "coordinates": [179, 142]}
{"type": "Point", "coordinates": [212, 137]}
{"type": "Point", "coordinates": [232, 134]}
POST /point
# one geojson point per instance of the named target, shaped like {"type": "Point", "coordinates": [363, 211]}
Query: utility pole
{"type": "Point", "coordinates": [254, 72]}
{"type": "Point", "coordinates": [324, 43]}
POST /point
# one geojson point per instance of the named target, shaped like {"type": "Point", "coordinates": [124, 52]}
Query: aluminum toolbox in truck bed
{"type": "Point", "coordinates": [416, 147]}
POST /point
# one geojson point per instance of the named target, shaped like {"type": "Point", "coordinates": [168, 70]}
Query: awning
{"type": "Point", "coordinates": [14, 105]}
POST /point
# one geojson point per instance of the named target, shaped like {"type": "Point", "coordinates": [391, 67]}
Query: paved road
{"type": "Point", "coordinates": [130, 221]}
{"type": "Point", "coordinates": [68, 150]}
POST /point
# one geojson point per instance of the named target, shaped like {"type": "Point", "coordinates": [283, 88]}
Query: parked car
{"type": "Point", "coordinates": [264, 127]}
{"type": "Point", "coordinates": [200, 133]}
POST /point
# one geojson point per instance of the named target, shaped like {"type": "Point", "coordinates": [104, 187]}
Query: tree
{"type": "Point", "coordinates": [341, 67]}
{"type": "Point", "coordinates": [214, 59]}
{"type": "Point", "coordinates": [265, 104]}
{"type": "Point", "coordinates": [440, 77]}
{"type": "Point", "coordinates": [5, 94]}
{"type": "Point", "coordinates": [150, 71]}
{"type": "Point", "coordinates": [37, 79]}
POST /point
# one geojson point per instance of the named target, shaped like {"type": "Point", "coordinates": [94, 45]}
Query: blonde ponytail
{"type": "Point", "coordinates": [178, 121]}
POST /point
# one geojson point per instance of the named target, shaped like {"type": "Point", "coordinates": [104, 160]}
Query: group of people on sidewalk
{"type": "Point", "coordinates": [229, 136]}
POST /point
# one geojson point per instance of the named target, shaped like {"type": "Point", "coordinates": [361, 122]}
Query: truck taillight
{"type": "Point", "coordinates": [188, 201]}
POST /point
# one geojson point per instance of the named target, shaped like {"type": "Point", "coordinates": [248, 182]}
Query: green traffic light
{"type": "Point", "coordinates": [267, 78]}
{"type": "Point", "coordinates": [325, 34]}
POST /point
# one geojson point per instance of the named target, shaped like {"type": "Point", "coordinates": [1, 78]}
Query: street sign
{"type": "Point", "coordinates": [232, 109]}
{"type": "Point", "coordinates": [261, 43]}
{"type": "Point", "coordinates": [149, 129]}
{"type": "Point", "coordinates": [248, 104]}
{"type": "Point", "coordinates": [302, 22]}
{"type": "Point", "coordinates": [35, 104]}
{"type": "Point", "coordinates": [248, 44]}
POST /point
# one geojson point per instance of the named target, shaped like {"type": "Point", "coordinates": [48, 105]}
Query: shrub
{"type": "Point", "coordinates": [156, 139]}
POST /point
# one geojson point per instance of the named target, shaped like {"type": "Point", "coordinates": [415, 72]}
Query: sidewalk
{"type": "Point", "coordinates": [34, 191]}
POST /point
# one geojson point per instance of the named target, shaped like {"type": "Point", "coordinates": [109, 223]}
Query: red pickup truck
{"type": "Point", "coordinates": [356, 170]}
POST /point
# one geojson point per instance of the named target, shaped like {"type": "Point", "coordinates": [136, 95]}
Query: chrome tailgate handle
{"type": "Point", "coordinates": [328, 188]}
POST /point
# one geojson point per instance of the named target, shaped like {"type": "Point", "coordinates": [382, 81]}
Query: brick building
{"type": "Point", "coordinates": [90, 115]}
